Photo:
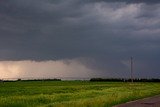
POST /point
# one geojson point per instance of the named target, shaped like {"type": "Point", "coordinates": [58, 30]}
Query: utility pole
{"type": "Point", "coordinates": [132, 69]}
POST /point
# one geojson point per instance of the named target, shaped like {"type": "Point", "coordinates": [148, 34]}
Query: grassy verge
{"type": "Point", "coordinates": [73, 93]}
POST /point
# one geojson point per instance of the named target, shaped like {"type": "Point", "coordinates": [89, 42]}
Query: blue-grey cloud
{"type": "Point", "coordinates": [108, 31]}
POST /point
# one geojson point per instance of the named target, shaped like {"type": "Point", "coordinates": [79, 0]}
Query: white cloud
{"type": "Point", "coordinates": [44, 69]}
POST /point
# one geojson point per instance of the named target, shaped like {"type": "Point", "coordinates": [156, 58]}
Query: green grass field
{"type": "Point", "coordinates": [72, 93]}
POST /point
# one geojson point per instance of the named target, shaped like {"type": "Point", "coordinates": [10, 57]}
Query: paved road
{"type": "Point", "coordinates": [147, 102]}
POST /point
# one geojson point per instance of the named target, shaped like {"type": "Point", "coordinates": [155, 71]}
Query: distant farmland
{"type": "Point", "coordinates": [72, 93]}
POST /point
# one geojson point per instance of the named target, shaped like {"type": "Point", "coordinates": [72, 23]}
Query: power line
{"type": "Point", "coordinates": [131, 69]}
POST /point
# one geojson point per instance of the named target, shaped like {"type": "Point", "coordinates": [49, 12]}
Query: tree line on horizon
{"type": "Point", "coordinates": [124, 80]}
{"type": "Point", "coordinates": [92, 80]}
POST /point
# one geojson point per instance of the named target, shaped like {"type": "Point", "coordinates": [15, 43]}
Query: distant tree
{"type": "Point", "coordinates": [19, 79]}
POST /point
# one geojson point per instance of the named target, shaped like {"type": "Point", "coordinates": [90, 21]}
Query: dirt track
{"type": "Point", "coordinates": [147, 102]}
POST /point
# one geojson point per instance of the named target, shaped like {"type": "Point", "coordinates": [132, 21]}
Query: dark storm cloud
{"type": "Point", "coordinates": [108, 31]}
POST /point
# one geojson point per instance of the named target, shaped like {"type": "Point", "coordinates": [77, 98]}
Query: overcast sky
{"type": "Point", "coordinates": [79, 38]}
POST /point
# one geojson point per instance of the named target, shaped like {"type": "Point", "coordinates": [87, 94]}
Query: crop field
{"type": "Point", "coordinates": [72, 93]}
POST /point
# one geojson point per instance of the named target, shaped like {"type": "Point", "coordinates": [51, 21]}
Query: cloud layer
{"type": "Point", "coordinates": [68, 69]}
{"type": "Point", "coordinates": [106, 31]}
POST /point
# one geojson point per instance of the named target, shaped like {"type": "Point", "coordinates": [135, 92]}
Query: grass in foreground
{"type": "Point", "coordinates": [73, 93]}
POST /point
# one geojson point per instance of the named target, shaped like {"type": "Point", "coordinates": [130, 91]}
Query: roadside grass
{"type": "Point", "coordinates": [73, 93]}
